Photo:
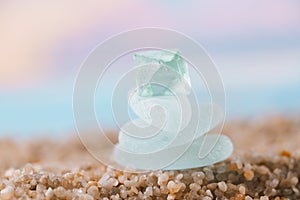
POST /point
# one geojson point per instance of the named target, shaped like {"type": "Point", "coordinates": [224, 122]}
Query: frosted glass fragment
{"type": "Point", "coordinates": [219, 148]}
{"type": "Point", "coordinates": [165, 73]}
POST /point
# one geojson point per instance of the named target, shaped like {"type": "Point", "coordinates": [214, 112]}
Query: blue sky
{"type": "Point", "coordinates": [255, 45]}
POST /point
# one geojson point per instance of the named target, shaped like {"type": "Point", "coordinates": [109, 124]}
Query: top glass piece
{"type": "Point", "coordinates": [161, 73]}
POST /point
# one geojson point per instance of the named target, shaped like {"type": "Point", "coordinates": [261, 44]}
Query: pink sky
{"type": "Point", "coordinates": [33, 32]}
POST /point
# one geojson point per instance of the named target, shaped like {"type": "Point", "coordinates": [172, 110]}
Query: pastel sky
{"type": "Point", "coordinates": [38, 39]}
{"type": "Point", "coordinates": [255, 44]}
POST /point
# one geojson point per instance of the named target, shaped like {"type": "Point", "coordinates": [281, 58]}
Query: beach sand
{"type": "Point", "coordinates": [265, 165]}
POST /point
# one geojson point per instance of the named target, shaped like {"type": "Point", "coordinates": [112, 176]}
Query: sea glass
{"type": "Point", "coordinates": [169, 133]}
{"type": "Point", "coordinates": [166, 73]}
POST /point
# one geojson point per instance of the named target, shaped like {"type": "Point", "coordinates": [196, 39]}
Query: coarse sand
{"type": "Point", "coordinates": [265, 165]}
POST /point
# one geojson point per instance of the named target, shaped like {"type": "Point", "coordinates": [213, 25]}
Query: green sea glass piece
{"type": "Point", "coordinates": [161, 73]}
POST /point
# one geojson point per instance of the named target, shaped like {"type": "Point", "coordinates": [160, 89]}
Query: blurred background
{"type": "Point", "coordinates": [255, 45]}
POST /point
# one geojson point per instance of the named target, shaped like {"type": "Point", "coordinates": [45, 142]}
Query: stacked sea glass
{"type": "Point", "coordinates": [170, 130]}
